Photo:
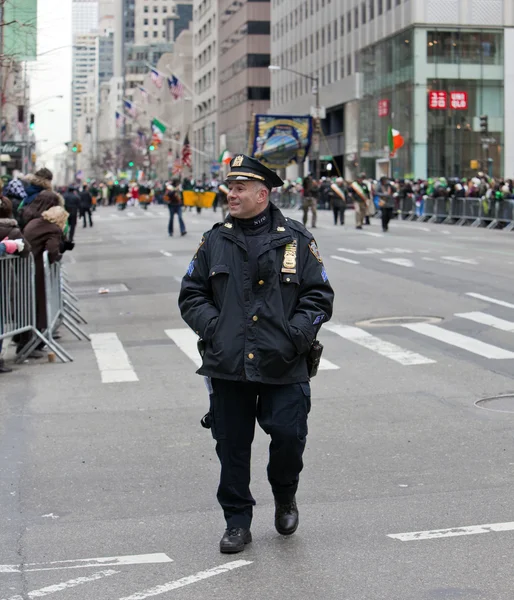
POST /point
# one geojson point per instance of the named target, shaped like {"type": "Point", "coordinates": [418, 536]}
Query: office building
{"type": "Point", "coordinates": [205, 86]}
{"type": "Point", "coordinates": [84, 68]}
{"type": "Point", "coordinates": [428, 68]}
{"type": "Point", "coordinates": [243, 77]}
{"type": "Point", "coordinates": [84, 16]}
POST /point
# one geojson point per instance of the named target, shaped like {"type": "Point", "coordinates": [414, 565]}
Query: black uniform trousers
{"type": "Point", "coordinates": [281, 411]}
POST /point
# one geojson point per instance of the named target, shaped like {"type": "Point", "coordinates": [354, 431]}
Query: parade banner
{"type": "Point", "coordinates": [280, 140]}
{"type": "Point", "coordinates": [200, 199]}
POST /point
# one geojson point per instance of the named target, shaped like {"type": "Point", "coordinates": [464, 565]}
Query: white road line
{"type": "Point", "coordinates": [459, 259]}
{"type": "Point", "coordinates": [372, 234]}
{"type": "Point", "coordinates": [365, 339]}
{"type": "Point", "coordinates": [84, 563]}
{"type": "Point", "coordinates": [485, 319]}
{"type": "Point", "coordinates": [165, 253]}
{"type": "Point", "coordinates": [173, 585]}
{"type": "Point", "coordinates": [489, 299]}
{"type": "Point", "coordinates": [114, 216]}
{"type": "Point", "coordinates": [453, 532]}
{"type": "Point", "coordinates": [428, 259]}
{"type": "Point", "coordinates": [113, 361]}
{"type": "Point", "coordinates": [367, 251]}
{"type": "Point", "coordinates": [346, 260]}
{"type": "Point", "coordinates": [460, 341]}
{"type": "Point", "coordinates": [131, 214]}
{"type": "Point", "coordinates": [401, 262]}
{"type": "Point", "coordinates": [65, 585]}
{"type": "Point", "coordinates": [186, 340]}
{"type": "Point", "coordinates": [326, 365]}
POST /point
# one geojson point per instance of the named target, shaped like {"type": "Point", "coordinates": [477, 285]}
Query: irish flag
{"type": "Point", "coordinates": [225, 157]}
{"type": "Point", "coordinates": [395, 140]}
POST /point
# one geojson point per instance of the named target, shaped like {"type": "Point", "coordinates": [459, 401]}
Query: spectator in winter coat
{"type": "Point", "coordinates": [86, 202]}
{"type": "Point", "coordinates": [34, 184]}
{"type": "Point", "coordinates": [43, 201]}
{"type": "Point", "coordinates": [72, 206]}
{"type": "Point", "coordinates": [44, 233]}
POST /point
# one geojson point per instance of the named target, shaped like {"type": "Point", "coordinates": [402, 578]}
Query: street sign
{"type": "Point", "coordinates": [318, 113]}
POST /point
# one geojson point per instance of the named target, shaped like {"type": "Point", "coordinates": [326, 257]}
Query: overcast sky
{"type": "Point", "coordinates": [50, 76]}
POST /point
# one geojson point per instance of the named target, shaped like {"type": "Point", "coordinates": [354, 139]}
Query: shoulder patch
{"type": "Point", "coordinates": [202, 242]}
{"type": "Point", "coordinates": [313, 247]}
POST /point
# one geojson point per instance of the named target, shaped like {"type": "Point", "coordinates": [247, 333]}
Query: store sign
{"type": "Point", "coordinates": [383, 108]}
{"type": "Point", "coordinates": [11, 148]}
{"type": "Point", "coordinates": [459, 100]}
{"type": "Point", "coordinates": [437, 100]}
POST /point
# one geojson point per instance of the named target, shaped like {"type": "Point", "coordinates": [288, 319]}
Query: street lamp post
{"type": "Point", "coordinates": [317, 120]}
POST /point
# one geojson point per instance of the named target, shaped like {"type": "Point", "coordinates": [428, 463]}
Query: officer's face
{"type": "Point", "coordinates": [246, 199]}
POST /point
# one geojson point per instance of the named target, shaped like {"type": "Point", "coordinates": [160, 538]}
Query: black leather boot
{"type": "Point", "coordinates": [286, 517]}
{"type": "Point", "coordinates": [234, 540]}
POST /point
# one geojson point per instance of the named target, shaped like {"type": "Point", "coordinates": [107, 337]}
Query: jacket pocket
{"type": "Point", "coordinates": [218, 277]}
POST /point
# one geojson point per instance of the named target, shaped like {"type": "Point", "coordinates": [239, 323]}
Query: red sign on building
{"type": "Point", "coordinates": [437, 100]}
{"type": "Point", "coordinates": [383, 108]}
{"type": "Point", "coordinates": [459, 100]}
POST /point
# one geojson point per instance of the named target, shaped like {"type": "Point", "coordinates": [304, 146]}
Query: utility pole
{"type": "Point", "coordinates": [318, 131]}
{"type": "Point", "coordinates": [25, 151]}
{"type": "Point", "coordinates": [2, 63]}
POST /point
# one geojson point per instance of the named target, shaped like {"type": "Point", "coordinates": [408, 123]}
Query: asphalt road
{"type": "Point", "coordinates": [108, 482]}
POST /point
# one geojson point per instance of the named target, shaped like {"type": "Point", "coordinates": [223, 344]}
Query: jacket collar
{"type": "Point", "coordinates": [280, 232]}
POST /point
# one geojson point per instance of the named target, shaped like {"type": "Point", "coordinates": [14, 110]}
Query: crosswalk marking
{"type": "Point", "coordinates": [485, 319]}
{"type": "Point", "coordinates": [489, 299]}
{"type": "Point", "coordinates": [186, 340]}
{"type": "Point", "coordinates": [401, 262]}
{"type": "Point", "coordinates": [387, 349]}
{"type": "Point", "coordinates": [346, 260]}
{"type": "Point", "coordinates": [113, 361]}
{"type": "Point", "coordinates": [326, 365]}
{"type": "Point", "coordinates": [460, 341]}
{"type": "Point", "coordinates": [452, 532]}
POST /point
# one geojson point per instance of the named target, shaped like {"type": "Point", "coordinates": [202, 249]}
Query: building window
{"type": "Point", "coordinates": [145, 22]}
{"type": "Point", "coordinates": [355, 18]}
{"type": "Point", "coordinates": [164, 34]}
{"type": "Point", "coordinates": [398, 2]}
{"type": "Point", "coordinates": [329, 75]}
{"type": "Point", "coordinates": [341, 66]}
{"type": "Point", "coordinates": [389, 4]}
{"type": "Point", "coordinates": [155, 9]}
{"type": "Point", "coordinates": [329, 34]}
{"type": "Point", "coordinates": [164, 9]}
{"type": "Point", "coordinates": [371, 10]}
{"type": "Point", "coordinates": [349, 66]}
{"type": "Point", "coordinates": [145, 34]}
{"type": "Point", "coordinates": [258, 27]}
{"type": "Point", "coordinates": [155, 34]}
{"type": "Point", "coordinates": [335, 30]}
{"type": "Point", "coordinates": [312, 43]}
{"type": "Point", "coordinates": [335, 70]}
{"type": "Point", "coordinates": [145, 9]}
{"type": "Point", "coordinates": [380, 6]}
{"type": "Point", "coordinates": [341, 30]}
{"type": "Point", "coordinates": [363, 13]}
{"type": "Point", "coordinates": [323, 37]}
{"type": "Point", "coordinates": [155, 21]}
{"type": "Point", "coordinates": [349, 21]}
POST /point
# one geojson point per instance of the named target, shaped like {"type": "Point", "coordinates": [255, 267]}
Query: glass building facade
{"type": "Point", "coordinates": [433, 86]}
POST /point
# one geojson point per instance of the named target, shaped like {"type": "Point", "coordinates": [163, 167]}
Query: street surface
{"type": "Point", "coordinates": [108, 482]}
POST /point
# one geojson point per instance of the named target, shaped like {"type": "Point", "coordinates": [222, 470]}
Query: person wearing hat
{"type": "Point", "coordinates": [34, 184]}
{"type": "Point", "coordinates": [257, 293]}
{"type": "Point", "coordinates": [361, 196]}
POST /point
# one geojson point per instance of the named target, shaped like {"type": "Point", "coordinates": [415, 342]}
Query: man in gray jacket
{"type": "Point", "coordinates": [386, 201]}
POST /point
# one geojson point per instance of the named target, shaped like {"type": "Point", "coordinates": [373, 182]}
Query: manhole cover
{"type": "Point", "coordinates": [503, 403]}
{"type": "Point", "coordinates": [396, 321]}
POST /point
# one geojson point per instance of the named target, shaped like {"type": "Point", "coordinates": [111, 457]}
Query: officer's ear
{"type": "Point", "coordinates": [263, 192]}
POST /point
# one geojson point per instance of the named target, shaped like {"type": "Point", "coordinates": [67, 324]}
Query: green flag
{"type": "Point", "coordinates": [160, 126]}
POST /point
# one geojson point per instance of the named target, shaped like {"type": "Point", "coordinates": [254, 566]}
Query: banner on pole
{"type": "Point", "coordinates": [280, 140]}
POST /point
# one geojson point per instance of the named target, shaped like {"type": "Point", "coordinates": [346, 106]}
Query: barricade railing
{"type": "Point", "coordinates": [407, 209]}
{"type": "Point", "coordinates": [60, 310]}
{"type": "Point", "coordinates": [18, 302]}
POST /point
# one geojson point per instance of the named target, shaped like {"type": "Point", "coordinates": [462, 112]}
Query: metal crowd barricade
{"type": "Point", "coordinates": [502, 212]}
{"type": "Point", "coordinates": [407, 209]}
{"type": "Point", "coordinates": [59, 311]}
{"type": "Point", "coordinates": [441, 210]}
{"type": "Point", "coordinates": [18, 302]}
{"type": "Point", "coordinates": [428, 209]}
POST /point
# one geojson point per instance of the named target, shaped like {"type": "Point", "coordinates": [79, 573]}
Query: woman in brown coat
{"type": "Point", "coordinates": [45, 233]}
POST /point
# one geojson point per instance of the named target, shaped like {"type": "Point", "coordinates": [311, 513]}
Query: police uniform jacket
{"type": "Point", "coordinates": [259, 331]}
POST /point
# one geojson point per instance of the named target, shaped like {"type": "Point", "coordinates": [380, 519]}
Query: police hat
{"type": "Point", "coordinates": [246, 168]}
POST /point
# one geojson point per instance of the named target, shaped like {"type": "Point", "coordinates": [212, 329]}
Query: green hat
{"type": "Point", "coordinates": [246, 168]}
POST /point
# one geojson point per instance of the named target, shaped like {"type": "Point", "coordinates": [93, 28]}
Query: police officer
{"type": "Point", "coordinates": [257, 293]}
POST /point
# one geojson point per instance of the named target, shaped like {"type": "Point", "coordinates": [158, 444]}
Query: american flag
{"type": "Point", "coordinates": [156, 77]}
{"type": "Point", "coordinates": [176, 87]}
{"type": "Point", "coordinates": [144, 94]}
{"type": "Point", "coordinates": [186, 152]}
{"type": "Point", "coordinates": [131, 109]}
{"type": "Point", "coordinates": [177, 165]}
{"type": "Point", "coordinates": [119, 119]}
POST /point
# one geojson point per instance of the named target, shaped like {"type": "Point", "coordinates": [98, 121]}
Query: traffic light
{"type": "Point", "coordinates": [484, 123]}
{"type": "Point", "coordinates": [32, 119]}
{"type": "Point", "coordinates": [131, 163]}
{"type": "Point", "coordinates": [74, 147]}
{"type": "Point", "coordinates": [151, 148]}
{"type": "Point", "coordinates": [79, 147]}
